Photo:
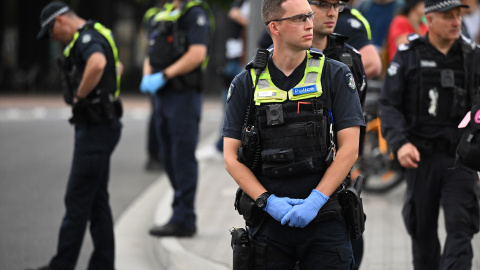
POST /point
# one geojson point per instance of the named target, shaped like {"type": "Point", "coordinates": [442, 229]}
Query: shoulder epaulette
{"type": "Point", "coordinates": [316, 52]}
{"type": "Point", "coordinates": [339, 37]}
{"type": "Point", "coordinates": [412, 37]}
{"type": "Point", "coordinates": [413, 40]}
{"type": "Point", "coordinates": [352, 48]}
{"type": "Point", "coordinates": [468, 43]}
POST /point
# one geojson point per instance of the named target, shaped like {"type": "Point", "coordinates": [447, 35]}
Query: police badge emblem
{"type": "Point", "coordinates": [351, 82]}
{"type": "Point", "coordinates": [393, 69]}
{"type": "Point", "coordinates": [230, 92]}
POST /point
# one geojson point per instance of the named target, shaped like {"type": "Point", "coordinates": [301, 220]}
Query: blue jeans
{"type": "Point", "coordinates": [321, 245]}
{"type": "Point", "coordinates": [87, 198]}
{"type": "Point", "coordinates": [177, 116]}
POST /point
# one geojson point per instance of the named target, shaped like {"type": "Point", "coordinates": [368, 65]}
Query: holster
{"type": "Point", "coordinates": [242, 250]}
{"type": "Point", "coordinates": [246, 207]}
{"type": "Point", "coordinates": [249, 254]}
{"type": "Point", "coordinates": [84, 111]}
{"type": "Point", "coordinates": [352, 207]}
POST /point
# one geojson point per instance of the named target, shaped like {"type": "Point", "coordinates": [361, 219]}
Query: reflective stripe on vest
{"type": "Point", "coordinates": [359, 16]}
{"type": "Point", "coordinates": [169, 13]}
{"type": "Point", "coordinates": [309, 87]}
{"type": "Point", "coordinates": [105, 32]}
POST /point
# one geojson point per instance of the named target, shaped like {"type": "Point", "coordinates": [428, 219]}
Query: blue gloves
{"type": "Point", "coordinates": [152, 83]}
{"type": "Point", "coordinates": [278, 207]}
{"type": "Point", "coordinates": [302, 214]}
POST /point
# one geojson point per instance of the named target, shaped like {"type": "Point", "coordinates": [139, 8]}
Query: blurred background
{"type": "Point", "coordinates": [28, 65]}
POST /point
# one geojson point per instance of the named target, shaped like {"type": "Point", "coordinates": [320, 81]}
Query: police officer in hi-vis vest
{"type": "Point", "coordinates": [304, 110]}
{"type": "Point", "coordinates": [91, 72]}
{"type": "Point", "coordinates": [179, 36]}
{"type": "Point", "coordinates": [428, 90]}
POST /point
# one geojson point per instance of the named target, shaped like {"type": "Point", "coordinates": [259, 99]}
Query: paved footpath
{"type": "Point", "coordinates": [387, 245]}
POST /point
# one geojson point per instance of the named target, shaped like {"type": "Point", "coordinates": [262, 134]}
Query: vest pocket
{"type": "Point", "coordinates": [278, 155]}
{"type": "Point", "coordinates": [272, 169]}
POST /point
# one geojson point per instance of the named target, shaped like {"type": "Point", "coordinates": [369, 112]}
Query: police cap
{"type": "Point", "coordinates": [48, 14]}
{"type": "Point", "coordinates": [442, 5]}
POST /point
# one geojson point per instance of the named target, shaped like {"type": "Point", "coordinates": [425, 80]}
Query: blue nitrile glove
{"type": "Point", "coordinates": [304, 213]}
{"type": "Point", "coordinates": [278, 207]}
{"type": "Point", "coordinates": [152, 83]}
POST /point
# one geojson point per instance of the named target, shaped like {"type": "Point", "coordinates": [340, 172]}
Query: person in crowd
{"type": "Point", "coordinates": [293, 194]}
{"type": "Point", "coordinates": [471, 19]}
{"type": "Point", "coordinates": [409, 21]}
{"type": "Point", "coordinates": [427, 92]}
{"type": "Point", "coordinates": [379, 14]}
{"type": "Point", "coordinates": [91, 69]}
{"type": "Point", "coordinates": [234, 55]}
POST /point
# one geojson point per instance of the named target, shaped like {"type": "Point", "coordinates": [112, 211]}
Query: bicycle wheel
{"type": "Point", "coordinates": [381, 171]}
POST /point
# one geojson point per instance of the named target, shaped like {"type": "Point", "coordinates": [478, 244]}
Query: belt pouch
{"type": "Point", "coordinates": [243, 251]}
{"type": "Point", "coordinates": [247, 208]}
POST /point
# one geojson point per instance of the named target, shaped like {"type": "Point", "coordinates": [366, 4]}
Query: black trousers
{"type": "Point", "coordinates": [437, 183]}
{"type": "Point", "coordinates": [322, 245]}
{"type": "Point", "coordinates": [87, 198]}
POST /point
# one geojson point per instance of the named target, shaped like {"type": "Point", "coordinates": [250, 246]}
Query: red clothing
{"type": "Point", "coordinates": [400, 26]}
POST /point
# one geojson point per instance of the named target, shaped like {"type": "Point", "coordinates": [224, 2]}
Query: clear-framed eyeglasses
{"type": "Point", "coordinates": [326, 6]}
{"type": "Point", "coordinates": [297, 19]}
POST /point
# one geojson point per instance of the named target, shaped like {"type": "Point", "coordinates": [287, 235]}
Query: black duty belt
{"type": "Point", "coordinates": [429, 146]}
{"type": "Point", "coordinates": [331, 208]}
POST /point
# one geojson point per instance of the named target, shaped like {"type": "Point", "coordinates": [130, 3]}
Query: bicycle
{"type": "Point", "coordinates": [377, 164]}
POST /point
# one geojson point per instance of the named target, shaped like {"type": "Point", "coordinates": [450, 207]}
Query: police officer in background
{"type": "Point", "coordinates": [426, 94]}
{"type": "Point", "coordinates": [154, 162]}
{"type": "Point", "coordinates": [172, 74]}
{"type": "Point", "coordinates": [352, 24]}
{"type": "Point", "coordinates": [92, 72]}
{"type": "Point", "coordinates": [333, 46]}
{"type": "Point", "coordinates": [291, 191]}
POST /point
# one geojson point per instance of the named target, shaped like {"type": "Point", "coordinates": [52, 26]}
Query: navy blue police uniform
{"type": "Point", "coordinates": [177, 106]}
{"type": "Point", "coordinates": [424, 98]}
{"type": "Point", "coordinates": [97, 132]}
{"type": "Point", "coordinates": [325, 242]}
{"type": "Point", "coordinates": [351, 23]}
{"type": "Point", "coordinates": [339, 50]}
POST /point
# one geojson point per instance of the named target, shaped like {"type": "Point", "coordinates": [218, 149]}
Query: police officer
{"type": "Point", "coordinates": [178, 40]}
{"type": "Point", "coordinates": [92, 75]}
{"type": "Point", "coordinates": [425, 96]}
{"type": "Point", "coordinates": [290, 179]}
{"type": "Point", "coordinates": [154, 162]}
{"type": "Point", "coordinates": [333, 46]}
{"type": "Point", "coordinates": [352, 24]}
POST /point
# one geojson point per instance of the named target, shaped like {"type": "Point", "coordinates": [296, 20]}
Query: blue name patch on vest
{"type": "Point", "coordinates": [304, 90]}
